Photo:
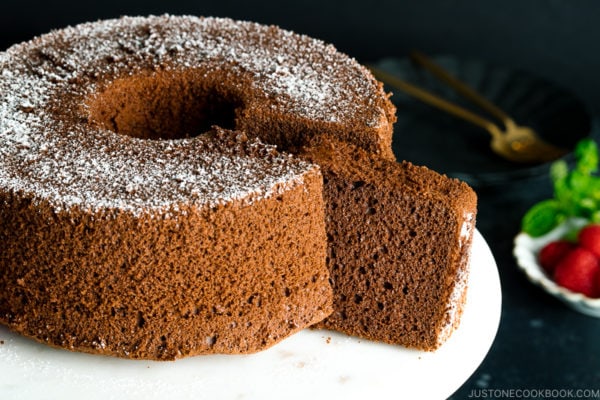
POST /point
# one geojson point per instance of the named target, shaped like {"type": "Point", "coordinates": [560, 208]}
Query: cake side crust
{"type": "Point", "coordinates": [221, 280]}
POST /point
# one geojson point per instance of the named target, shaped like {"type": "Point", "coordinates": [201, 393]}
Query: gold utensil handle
{"type": "Point", "coordinates": [460, 87]}
{"type": "Point", "coordinates": [435, 101]}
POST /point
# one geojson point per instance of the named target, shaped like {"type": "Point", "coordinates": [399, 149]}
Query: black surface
{"type": "Point", "coordinates": [541, 344]}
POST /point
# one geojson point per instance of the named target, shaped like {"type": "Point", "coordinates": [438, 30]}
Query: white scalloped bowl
{"type": "Point", "coordinates": [526, 252]}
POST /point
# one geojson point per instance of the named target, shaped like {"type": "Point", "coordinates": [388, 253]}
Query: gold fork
{"type": "Point", "coordinates": [515, 143]}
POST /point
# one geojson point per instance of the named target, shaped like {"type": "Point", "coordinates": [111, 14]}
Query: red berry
{"type": "Point", "coordinates": [577, 272]}
{"type": "Point", "coordinates": [589, 237]}
{"type": "Point", "coordinates": [553, 252]}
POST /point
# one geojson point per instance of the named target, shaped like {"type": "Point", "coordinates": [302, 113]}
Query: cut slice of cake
{"type": "Point", "coordinates": [399, 240]}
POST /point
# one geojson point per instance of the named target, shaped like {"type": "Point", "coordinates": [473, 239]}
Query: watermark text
{"type": "Point", "coordinates": [534, 394]}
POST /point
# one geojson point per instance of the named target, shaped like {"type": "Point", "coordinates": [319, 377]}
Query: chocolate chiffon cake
{"type": "Point", "coordinates": [399, 242]}
{"type": "Point", "coordinates": [174, 186]}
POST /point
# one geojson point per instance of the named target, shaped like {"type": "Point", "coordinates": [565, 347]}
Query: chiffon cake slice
{"type": "Point", "coordinates": [399, 240]}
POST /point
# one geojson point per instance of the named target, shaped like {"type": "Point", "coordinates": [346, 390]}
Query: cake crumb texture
{"type": "Point", "coordinates": [398, 246]}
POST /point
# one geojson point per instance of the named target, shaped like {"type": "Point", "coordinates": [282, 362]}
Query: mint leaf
{"type": "Point", "coordinates": [559, 171]}
{"type": "Point", "coordinates": [542, 218]}
{"type": "Point", "coordinates": [586, 154]}
{"type": "Point", "coordinates": [595, 218]}
{"type": "Point", "coordinates": [576, 192]}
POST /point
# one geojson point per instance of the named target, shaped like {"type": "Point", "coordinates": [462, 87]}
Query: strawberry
{"type": "Point", "coordinates": [577, 271]}
{"type": "Point", "coordinates": [589, 237]}
{"type": "Point", "coordinates": [553, 252]}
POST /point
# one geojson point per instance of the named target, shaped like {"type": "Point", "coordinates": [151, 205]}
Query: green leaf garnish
{"type": "Point", "coordinates": [542, 217]}
{"type": "Point", "coordinates": [586, 153]}
{"type": "Point", "coordinates": [576, 192]}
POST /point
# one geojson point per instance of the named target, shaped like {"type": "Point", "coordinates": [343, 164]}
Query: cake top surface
{"type": "Point", "coordinates": [78, 163]}
{"type": "Point", "coordinates": [161, 175]}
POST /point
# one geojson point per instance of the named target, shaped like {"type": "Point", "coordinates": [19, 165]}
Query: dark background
{"type": "Point", "coordinates": [540, 344]}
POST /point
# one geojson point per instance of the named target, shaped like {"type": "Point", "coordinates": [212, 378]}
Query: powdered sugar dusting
{"type": "Point", "coordinates": [77, 165]}
{"type": "Point", "coordinates": [454, 301]}
{"type": "Point", "coordinates": [466, 229]}
{"type": "Point", "coordinates": [136, 175]}
{"type": "Point", "coordinates": [461, 280]}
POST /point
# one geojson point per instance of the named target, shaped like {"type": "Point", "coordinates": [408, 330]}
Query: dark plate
{"type": "Point", "coordinates": [427, 136]}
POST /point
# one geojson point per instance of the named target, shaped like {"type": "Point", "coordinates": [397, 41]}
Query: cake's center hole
{"type": "Point", "coordinates": [164, 105]}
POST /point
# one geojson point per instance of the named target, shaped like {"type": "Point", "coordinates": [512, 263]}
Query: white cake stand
{"type": "Point", "coordinates": [309, 365]}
